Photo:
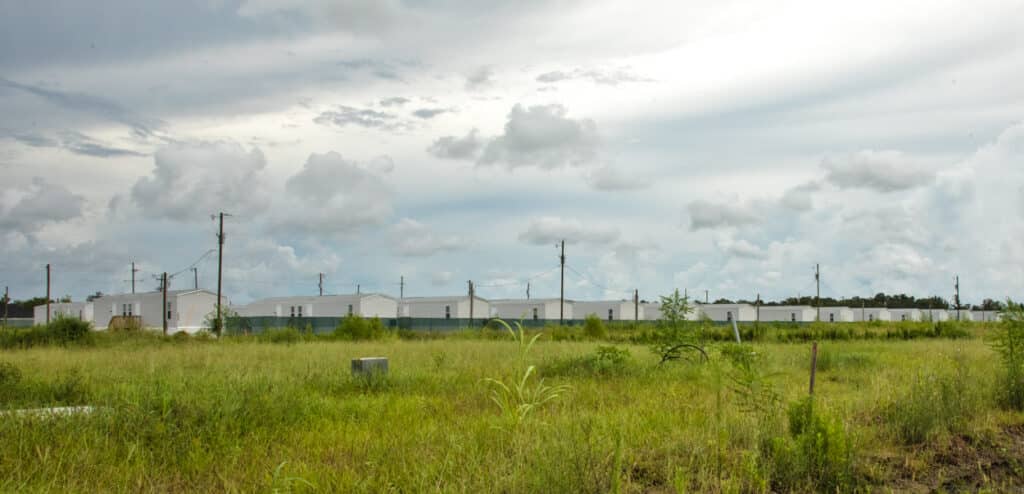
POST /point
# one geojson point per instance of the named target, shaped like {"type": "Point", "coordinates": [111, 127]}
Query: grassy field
{"type": "Point", "coordinates": [245, 415]}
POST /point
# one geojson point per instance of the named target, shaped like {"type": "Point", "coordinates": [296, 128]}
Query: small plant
{"type": "Point", "coordinates": [520, 396]}
{"type": "Point", "coordinates": [671, 339]}
{"type": "Point", "coordinates": [354, 328]}
{"type": "Point", "coordinates": [69, 329]}
{"type": "Point", "coordinates": [1008, 342]}
{"type": "Point", "coordinates": [817, 456]}
{"type": "Point", "coordinates": [9, 374]}
{"type": "Point", "coordinates": [594, 328]}
{"type": "Point", "coordinates": [287, 336]}
{"type": "Point", "coordinates": [605, 361]}
{"type": "Point", "coordinates": [937, 402]}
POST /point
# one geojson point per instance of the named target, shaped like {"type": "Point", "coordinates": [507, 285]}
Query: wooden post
{"type": "Point", "coordinates": [163, 283]}
{"type": "Point", "coordinates": [48, 294]}
{"type": "Point", "coordinates": [814, 364]}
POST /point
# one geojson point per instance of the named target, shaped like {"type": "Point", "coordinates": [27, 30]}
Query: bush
{"type": "Point", "coordinates": [60, 331]}
{"type": "Point", "coordinates": [594, 328]}
{"type": "Point", "coordinates": [353, 327]}
{"type": "Point", "coordinates": [605, 361]}
{"type": "Point", "coordinates": [817, 456]}
{"type": "Point", "coordinates": [287, 336]}
{"type": "Point", "coordinates": [1008, 342]}
{"type": "Point", "coordinates": [936, 403]}
{"type": "Point", "coordinates": [9, 374]}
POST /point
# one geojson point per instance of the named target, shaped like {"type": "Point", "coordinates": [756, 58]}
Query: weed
{"type": "Point", "coordinates": [354, 328]}
{"type": "Point", "coordinates": [937, 401]}
{"type": "Point", "coordinates": [816, 456]}
{"type": "Point", "coordinates": [1008, 342]}
{"type": "Point", "coordinates": [605, 361]}
{"type": "Point", "coordinates": [10, 375]}
{"type": "Point", "coordinates": [594, 328]}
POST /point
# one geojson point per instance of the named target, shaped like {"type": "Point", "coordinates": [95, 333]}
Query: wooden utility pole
{"type": "Point", "coordinates": [133, 276]}
{"type": "Point", "coordinates": [401, 288]}
{"type": "Point", "coordinates": [220, 274]}
{"type": "Point", "coordinates": [705, 296]}
{"type": "Point", "coordinates": [471, 296]}
{"type": "Point", "coordinates": [195, 277]}
{"type": "Point", "coordinates": [814, 364]}
{"type": "Point", "coordinates": [561, 296]}
{"type": "Point", "coordinates": [636, 306]}
{"type": "Point", "coordinates": [321, 284]}
{"type": "Point", "coordinates": [757, 314]}
{"type": "Point", "coordinates": [956, 296]}
{"type": "Point", "coordinates": [359, 289]}
{"type": "Point", "coordinates": [48, 294]}
{"type": "Point", "coordinates": [527, 291]}
{"type": "Point", "coordinates": [163, 286]}
{"type": "Point", "coordinates": [817, 285]}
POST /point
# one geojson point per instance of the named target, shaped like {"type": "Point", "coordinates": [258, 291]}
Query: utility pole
{"type": "Point", "coordinates": [956, 296]}
{"type": "Point", "coordinates": [7, 300]}
{"type": "Point", "coordinates": [48, 294]}
{"type": "Point", "coordinates": [862, 311]}
{"type": "Point", "coordinates": [195, 276]}
{"type": "Point", "coordinates": [321, 284]}
{"type": "Point", "coordinates": [163, 286]}
{"type": "Point", "coordinates": [817, 285]}
{"type": "Point", "coordinates": [527, 291]}
{"type": "Point", "coordinates": [706, 296]}
{"type": "Point", "coordinates": [636, 306]}
{"type": "Point", "coordinates": [220, 274]}
{"type": "Point", "coordinates": [561, 296]}
{"type": "Point", "coordinates": [133, 277]}
{"type": "Point", "coordinates": [359, 289]}
{"type": "Point", "coordinates": [470, 303]}
{"type": "Point", "coordinates": [401, 288]}
{"type": "Point", "coordinates": [757, 308]}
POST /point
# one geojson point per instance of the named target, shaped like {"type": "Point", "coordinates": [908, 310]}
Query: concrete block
{"type": "Point", "coordinates": [369, 365]}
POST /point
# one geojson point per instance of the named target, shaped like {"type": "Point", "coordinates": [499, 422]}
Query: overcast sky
{"type": "Point", "coordinates": [720, 145]}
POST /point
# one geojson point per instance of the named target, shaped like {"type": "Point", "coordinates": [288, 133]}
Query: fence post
{"type": "Point", "coordinates": [814, 364]}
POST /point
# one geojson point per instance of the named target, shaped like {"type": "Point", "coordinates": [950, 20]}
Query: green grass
{"type": "Point", "coordinates": [282, 413]}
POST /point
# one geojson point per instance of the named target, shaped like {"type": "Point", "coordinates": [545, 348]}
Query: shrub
{"type": "Point", "coordinates": [605, 361]}
{"type": "Point", "coordinates": [817, 455]}
{"type": "Point", "coordinates": [936, 402]}
{"type": "Point", "coordinates": [594, 328]}
{"type": "Point", "coordinates": [354, 327]}
{"type": "Point", "coordinates": [287, 336]}
{"type": "Point", "coordinates": [1008, 342]}
{"type": "Point", "coordinates": [9, 374]}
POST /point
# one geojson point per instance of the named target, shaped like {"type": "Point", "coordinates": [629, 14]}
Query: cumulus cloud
{"type": "Point", "coordinates": [395, 101]}
{"type": "Point", "coordinates": [706, 214]}
{"type": "Point", "coordinates": [609, 178]}
{"type": "Point", "coordinates": [543, 136]}
{"type": "Point", "coordinates": [799, 198]}
{"type": "Point", "coordinates": [457, 148]}
{"type": "Point", "coordinates": [739, 248]}
{"type": "Point", "coordinates": [410, 238]}
{"type": "Point", "coordinates": [882, 171]}
{"type": "Point", "coordinates": [192, 180]}
{"type": "Point", "coordinates": [480, 78]}
{"type": "Point", "coordinates": [43, 203]}
{"type": "Point", "coordinates": [549, 229]}
{"type": "Point", "coordinates": [333, 195]}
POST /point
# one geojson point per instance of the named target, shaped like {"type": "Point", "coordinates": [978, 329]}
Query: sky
{"type": "Point", "coordinates": [721, 146]}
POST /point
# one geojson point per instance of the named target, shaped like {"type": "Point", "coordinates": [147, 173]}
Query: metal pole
{"type": "Point", "coordinates": [561, 296]}
{"type": "Point", "coordinates": [220, 274]}
{"type": "Point", "coordinates": [47, 294]}
{"type": "Point", "coordinates": [163, 282]}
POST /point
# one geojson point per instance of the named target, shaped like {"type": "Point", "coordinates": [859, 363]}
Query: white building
{"type": "Point", "coordinates": [651, 311]}
{"type": "Point", "coordinates": [936, 315]}
{"type": "Point", "coordinates": [78, 310]}
{"type": "Point", "coordinates": [609, 310]}
{"type": "Point", "coordinates": [871, 314]}
{"type": "Point", "coordinates": [905, 314]}
{"type": "Point", "coordinates": [537, 309]}
{"type": "Point", "coordinates": [454, 307]}
{"type": "Point", "coordinates": [362, 304]}
{"type": "Point", "coordinates": [187, 310]}
{"type": "Point", "coordinates": [729, 312]}
{"type": "Point", "coordinates": [984, 315]}
{"type": "Point", "coordinates": [837, 314]}
{"type": "Point", "coordinates": [788, 313]}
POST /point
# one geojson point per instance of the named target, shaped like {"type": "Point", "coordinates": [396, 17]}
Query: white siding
{"type": "Point", "coordinates": [728, 312]}
{"type": "Point", "coordinates": [77, 310]}
{"type": "Point", "coordinates": [905, 314]}
{"type": "Point", "coordinates": [190, 311]}
{"type": "Point", "coordinates": [836, 314]}
{"type": "Point", "coordinates": [788, 313]}
{"type": "Point", "coordinates": [871, 314]}
{"type": "Point", "coordinates": [620, 310]}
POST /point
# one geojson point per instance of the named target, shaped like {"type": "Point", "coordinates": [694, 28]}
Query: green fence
{"type": "Point", "coordinates": [18, 322]}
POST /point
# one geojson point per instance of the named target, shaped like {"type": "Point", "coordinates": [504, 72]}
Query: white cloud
{"type": "Point", "coordinates": [42, 203]}
{"type": "Point", "coordinates": [457, 148]}
{"type": "Point", "coordinates": [543, 136]}
{"type": "Point", "coordinates": [193, 180]}
{"type": "Point", "coordinates": [707, 214]}
{"type": "Point", "coordinates": [411, 238]}
{"type": "Point", "coordinates": [883, 171]}
{"type": "Point", "coordinates": [610, 178]}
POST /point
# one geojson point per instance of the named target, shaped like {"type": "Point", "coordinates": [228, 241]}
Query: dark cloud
{"type": "Point", "coordinates": [543, 136]}
{"type": "Point", "coordinates": [457, 148]}
{"type": "Point", "coordinates": [77, 143]}
{"type": "Point", "coordinates": [882, 171]}
{"type": "Point", "coordinates": [362, 117]}
{"type": "Point", "coordinates": [44, 203]}
{"type": "Point", "coordinates": [428, 113]}
{"type": "Point", "coordinates": [549, 230]}
{"type": "Point", "coordinates": [396, 101]}
{"type": "Point", "coordinates": [480, 78]}
{"type": "Point", "coordinates": [192, 180]}
{"type": "Point", "coordinates": [88, 104]}
{"type": "Point", "coordinates": [706, 214]}
{"type": "Point", "coordinates": [597, 76]}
